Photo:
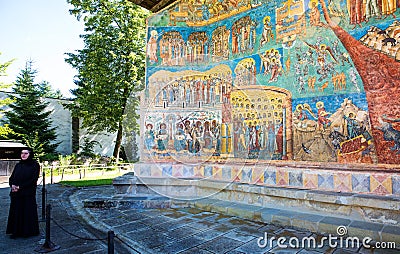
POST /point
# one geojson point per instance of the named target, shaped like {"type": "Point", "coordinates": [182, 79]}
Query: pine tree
{"type": "Point", "coordinates": [28, 117]}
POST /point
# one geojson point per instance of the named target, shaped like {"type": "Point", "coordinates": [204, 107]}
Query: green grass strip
{"type": "Point", "coordinates": [86, 183]}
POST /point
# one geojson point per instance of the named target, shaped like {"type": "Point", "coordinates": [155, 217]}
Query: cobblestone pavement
{"type": "Point", "coordinates": [64, 214]}
{"type": "Point", "coordinates": [181, 230]}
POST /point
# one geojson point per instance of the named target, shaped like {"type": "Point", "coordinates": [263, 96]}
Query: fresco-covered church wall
{"type": "Point", "coordinates": [305, 80]}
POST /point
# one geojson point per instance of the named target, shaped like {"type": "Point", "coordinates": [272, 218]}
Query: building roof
{"type": "Point", "coordinates": [153, 5]}
{"type": "Point", "coordinates": [11, 144]}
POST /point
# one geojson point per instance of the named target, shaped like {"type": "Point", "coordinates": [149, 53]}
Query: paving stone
{"type": "Point", "coordinates": [224, 227]}
{"type": "Point", "coordinates": [181, 245]}
{"type": "Point", "coordinates": [209, 234]}
{"type": "Point", "coordinates": [156, 220]}
{"type": "Point", "coordinates": [182, 232]}
{"type": "Point", "coordinates": [202, 225]}
{"type": "Point", "coordinates": [154, 240]}
{"type": "Point", "coordinates": [175, 214]}
{"type": "Point", "coordinates": [191, 210]}
{"type": "Point", "coordinates": [171, 225]}
{"type": "Point", "coordinates": [269, 228]}
{"type": "Point", "coordinates": [279, 250]}
{"type": "Point", "coordinates": [320, 245]}
{"type": "Point", "coordinates": [252, 247]}
{"type": "Point", "coordinates": [308, 221]}
{"type": "Point", "coordinates": [245, 211]}
{"type": "Point", "coordinates": [203, 215]}
{"type": "Point", "coordinates": [303, 251]}
{"type": "Point", "coordinates": [329, 225]}
{"type": "Point", "coordinates": [144, 233]}
{"type": "Point", "coordinates": [220, 245]}
{"type": "Point", "coordinates": [134, 215]}
{"type": "Point", "coordinates": [131, 227]}
{"type": "Point", "coordinates": [364, 229]}
{"type": "Point", "coordinates": [391, 234]}
{"type": "Point", "coordinates": [267, 213]}
{"type": "Point", "coordinates": [221, 207]}
{"type": "Point", "coordinates": [218, 218]}
{"type": "Point", "coordinates": [239, 236]}
{"type": "Point", "coordinates": [205, 204]}
{"type": "Point", "coordinates": [379, 251]}
{"type": "Point", "coordinates": [284, 217]}
{"type": "Point", "coordinates": [343, 251]}
{"type": "Point", "coordinates": [116, 221]}
{"type": "Point", "coordinates": [195, 251]}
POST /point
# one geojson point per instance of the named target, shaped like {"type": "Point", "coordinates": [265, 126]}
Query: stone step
{"type": "Point", "coordinates": [317, 223]}
{"type": "Point", "coordinates": [378, 232]}
{"type": "Point", "coordinates": [134, 202]}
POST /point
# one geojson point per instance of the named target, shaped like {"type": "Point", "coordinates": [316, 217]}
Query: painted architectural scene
{"type": "Point", "coordinates": [300, 80]}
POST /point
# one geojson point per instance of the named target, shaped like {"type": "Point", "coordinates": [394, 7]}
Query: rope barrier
{"type": "Point", "coordinates": [41, 181]}
{"type": "Point", "coordinates": [127, 245]}
{"type": "Point", "coordinates": [94, 239]}
{"type": "Point", "coordinates": [77, 236]}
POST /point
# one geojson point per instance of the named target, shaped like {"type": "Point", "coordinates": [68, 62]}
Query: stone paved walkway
{"type": "Point", "coordinates": [66, 216]}
{"type": "Point", "coordinates": [182, 230]}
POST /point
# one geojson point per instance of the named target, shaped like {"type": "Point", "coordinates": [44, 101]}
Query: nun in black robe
{"type": "Point", "coordinates": [23, 215]}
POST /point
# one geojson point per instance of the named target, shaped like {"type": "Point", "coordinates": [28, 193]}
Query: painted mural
{"type": "Point", "coordinates": [302, 80]}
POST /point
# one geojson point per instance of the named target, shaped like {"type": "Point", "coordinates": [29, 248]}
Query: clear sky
{"type": "Point", "coordinates": [40, 30]}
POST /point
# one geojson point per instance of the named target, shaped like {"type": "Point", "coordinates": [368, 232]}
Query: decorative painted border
{"type": "Point", "coordinates": [362, 181]}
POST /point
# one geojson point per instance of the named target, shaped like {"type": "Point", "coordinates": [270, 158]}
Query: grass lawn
{"type": "Point", "coordinates": [86, 182]}
{"type": "Point", "coordinates": [91, 181]}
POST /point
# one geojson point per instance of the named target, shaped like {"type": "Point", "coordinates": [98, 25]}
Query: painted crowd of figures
{"type": "Point", "coordinates": [245, 44]}
{"type": "Point", "coordinates": [264, 140]}
{"type": "Point", "coordinates": [189, 91]}
{"type": "Point", "coordinates": [174, 51]}
{"type": "Point", "coordinates": [192, 137]}
{"type": "Point", "coordinates": [258, 140]}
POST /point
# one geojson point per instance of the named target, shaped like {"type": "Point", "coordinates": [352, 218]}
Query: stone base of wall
{"type": "Point", "coordinates": [363, 215]}
{"type": "Point", "coordinates": [381, 179]}
{"type": "Point", "coordinates": [362, 207]}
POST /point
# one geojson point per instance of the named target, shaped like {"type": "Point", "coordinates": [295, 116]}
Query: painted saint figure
{"type": "Point", "coordinates": [162, 137]}
{"type": "Point", "coordinates": [179, 139]}
{"type": "Point", "coordinates": [149, 137]}
{"type": "Point", "coordinates": [389, 7]}
{"type": "Point", "coordinates": [371, 9]}
{"type": "Point", "coordinates": [152, 47]}
{"type": "Point", "coordinates": [267, 34]}
{"type": "Point", "coordinates": [315, 15]}
{"type": "Point", "coordinates": [356, 12]}
{"type": "Point", "coordinates": [323, 120]}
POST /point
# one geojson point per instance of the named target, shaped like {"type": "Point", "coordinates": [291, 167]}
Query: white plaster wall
{"type": "Point", "coordinates": [61, 118]}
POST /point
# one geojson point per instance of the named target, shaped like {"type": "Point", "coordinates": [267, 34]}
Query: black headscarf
{"type": "Point", "coordinates": [31, 156]}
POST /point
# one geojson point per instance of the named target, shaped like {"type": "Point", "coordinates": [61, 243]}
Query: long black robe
{"type": "Point", "coordinates": [23, 215]}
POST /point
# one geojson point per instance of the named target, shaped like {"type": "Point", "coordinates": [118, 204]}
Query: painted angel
{"type": "Point", "coordinates": [322, 51]}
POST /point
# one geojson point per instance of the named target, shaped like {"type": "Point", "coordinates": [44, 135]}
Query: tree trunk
{"type": "Point", "coordinates": [381, 77]}
{"type": "Point", "coordinates": [118, 141]}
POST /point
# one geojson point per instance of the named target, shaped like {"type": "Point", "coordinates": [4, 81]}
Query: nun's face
{"type": "Point", "coordinates": [24, 154]}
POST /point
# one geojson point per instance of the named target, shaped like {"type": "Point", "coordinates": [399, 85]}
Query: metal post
{"type": "Point", "coordinates": [48, 245]}
{"type": "Point", "coordinates": [111, 242]}
{"type": "Point", "coordinates": [51, 174]}
{"type": "Point", "coordinates": [44, 196]}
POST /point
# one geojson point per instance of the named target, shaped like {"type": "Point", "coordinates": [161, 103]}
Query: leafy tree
{"type": "Point", "coordinates": [111, 64]}
{"type": "Point", "coordinates": [47, 91]}
{"type": "Point", "coordinates": [3, 72]}
{"type": "Point", "coordinates": [88, 147]}
{"type": "Point", "coordinates": [28, 117]}
{"type": "Point", "coordinates": [5, 130]}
